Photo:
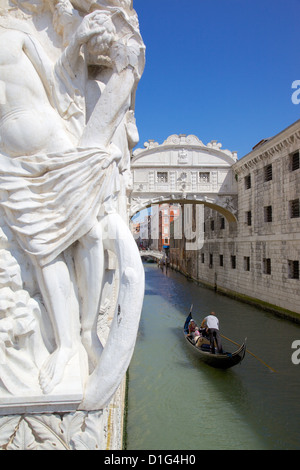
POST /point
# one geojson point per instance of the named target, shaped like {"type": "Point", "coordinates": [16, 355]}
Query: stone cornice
{"type": "Point", "coordinates": [272, 148]}
{"type": "Point", "coordinates": [184, 142]}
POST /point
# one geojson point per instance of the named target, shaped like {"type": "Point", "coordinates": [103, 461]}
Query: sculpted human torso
{"type": "Point", "coordinates": [26, 129]}
{"type": "Point", "coordinates": [58, 169]}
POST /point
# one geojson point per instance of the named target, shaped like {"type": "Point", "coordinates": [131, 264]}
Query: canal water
{"type": "Point", "coordinates": [175, 402]}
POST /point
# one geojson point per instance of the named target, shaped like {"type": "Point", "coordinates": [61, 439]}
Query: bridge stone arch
{"type": "Point", "coordinates": [184, 170]}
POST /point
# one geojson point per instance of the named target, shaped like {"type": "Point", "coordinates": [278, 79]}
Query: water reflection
{"type": "Point", "coordinates": [177, 402]}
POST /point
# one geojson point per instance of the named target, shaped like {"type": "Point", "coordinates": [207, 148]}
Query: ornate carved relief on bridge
{"type": "Point", "coordinates": [184, 169]}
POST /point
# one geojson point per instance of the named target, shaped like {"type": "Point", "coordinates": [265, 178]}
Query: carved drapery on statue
{"type": "Point", "coordinates": [69, 72]}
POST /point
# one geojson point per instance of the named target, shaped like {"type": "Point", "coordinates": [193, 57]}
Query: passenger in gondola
{"type": "Point", "coordinates": [193, 331]}
{"type": "Point", "coordinates": [192, 327]}
{"type": "Point", "coordinates": [211, 324]}
{"type": "Point", "coordinates": [197, 335]}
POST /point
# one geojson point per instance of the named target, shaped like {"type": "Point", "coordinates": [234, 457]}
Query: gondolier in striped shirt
{"type": "Point", "coordinates": [211, 323]}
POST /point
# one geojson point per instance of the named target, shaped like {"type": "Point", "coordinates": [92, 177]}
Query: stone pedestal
{"type": "Point", "coordinates": [98, 430]}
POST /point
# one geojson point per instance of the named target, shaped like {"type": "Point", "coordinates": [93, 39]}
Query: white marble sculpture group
{"type": "Point", "coordinates": [68, 75]}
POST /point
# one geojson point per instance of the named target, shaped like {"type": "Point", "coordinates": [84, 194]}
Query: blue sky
{"type": "Point", "coordinates": [219, 69]}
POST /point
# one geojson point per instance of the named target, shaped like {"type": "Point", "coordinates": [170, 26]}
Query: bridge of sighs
{"type": "Point", "coordinates": [184, 170]}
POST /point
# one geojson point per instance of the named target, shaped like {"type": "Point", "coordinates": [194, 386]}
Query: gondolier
{"type": "Point", "coordinates": [211, 323]}
{"type": "Point", "coordinates": [223, 360]}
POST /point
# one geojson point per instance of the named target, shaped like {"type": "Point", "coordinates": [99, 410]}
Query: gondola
{"type": "Point", "coordinates": [220, 361]}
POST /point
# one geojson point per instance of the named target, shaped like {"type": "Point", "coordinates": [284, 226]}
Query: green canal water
{"type": "Point", "coordinates": [175, 402]}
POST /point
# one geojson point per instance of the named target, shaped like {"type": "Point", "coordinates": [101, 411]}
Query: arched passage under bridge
{"type": "Point", "coordinates": [228, 212]}
{"type": "Point", "coordinates": [185, 219]}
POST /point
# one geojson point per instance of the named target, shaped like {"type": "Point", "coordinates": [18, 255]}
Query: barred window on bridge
{"type": "Point", "coordinates": [162, 176]}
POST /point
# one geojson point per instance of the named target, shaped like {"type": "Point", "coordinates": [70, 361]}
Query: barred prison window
{"type": "Point", "coordinates": [267, 265]}
{"type": "Point", "coordinates": [233, 261]}
{"type": "Point", "coordinates": [295, 161]}
{"type": "Point", "coordinates": [247, 181]}
{"type": "Point", "coordinates": [294, 209]}
{"type": "Point", "coordinates": [268, 214]}
{"type": "Point", "coordinates": [268, 173]}
{"type": "Point", "coordinates": [249, 218]}
{"type": "Point", "coordinates": [293, 269]}
{"type": "Point", "coordinates": [221, 260]}
{"type": "Point", "coordinates": [246, 263]}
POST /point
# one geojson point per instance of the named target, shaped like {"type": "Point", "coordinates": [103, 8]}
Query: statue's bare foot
{"type": "Point", "coordinates": [92, 345]}
{"type": "Point", "coordinates": [53, 369]}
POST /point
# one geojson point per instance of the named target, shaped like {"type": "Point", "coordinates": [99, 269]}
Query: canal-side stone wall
{"type": "Point", "coordinates": [257, 258]}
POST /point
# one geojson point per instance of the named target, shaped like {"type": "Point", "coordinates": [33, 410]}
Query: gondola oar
{"type": "Point", "coordinates": [249, 352]}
